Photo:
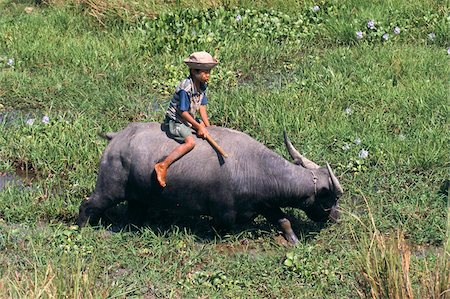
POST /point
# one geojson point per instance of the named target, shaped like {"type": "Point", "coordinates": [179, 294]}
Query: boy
{"type": "Point", "coordinates": [189, 97]}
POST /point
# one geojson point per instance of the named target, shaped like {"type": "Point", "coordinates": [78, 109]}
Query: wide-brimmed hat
{"type": "Point", "coordinates": [201, 61]}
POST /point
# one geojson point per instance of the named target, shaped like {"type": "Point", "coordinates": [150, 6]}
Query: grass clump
{"type": "Point", "coordinates": [387, 260]}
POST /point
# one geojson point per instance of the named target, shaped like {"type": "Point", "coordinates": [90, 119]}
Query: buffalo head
{"type": "Point", "coordinates": [323, 204]}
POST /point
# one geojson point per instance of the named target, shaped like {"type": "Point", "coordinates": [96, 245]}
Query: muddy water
{"type": "Point", "coordinates": [6, 179]}
{"type": "Point", "coordinates": [19, 178]}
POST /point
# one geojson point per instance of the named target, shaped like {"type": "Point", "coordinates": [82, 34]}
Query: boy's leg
{"type": "Point", "coordinates": [177, 153]}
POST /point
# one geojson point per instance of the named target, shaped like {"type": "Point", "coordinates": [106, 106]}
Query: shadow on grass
{"type": "Point", "coordinates": [445, 187]}
{"type": "Point", "coordinates": [118, 219]}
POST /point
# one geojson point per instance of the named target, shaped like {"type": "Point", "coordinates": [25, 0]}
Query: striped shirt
{"type": "Point", "coordinates": [186, 98]}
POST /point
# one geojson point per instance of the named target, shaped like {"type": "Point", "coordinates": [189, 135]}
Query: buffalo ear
{"type": "Point", "coordinates": [108, 136]}
{"type": "Point", "coordinates": [298, 158]}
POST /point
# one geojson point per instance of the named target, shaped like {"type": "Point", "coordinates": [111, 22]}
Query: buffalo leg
{"type": "Point", "coordinates": [224, 219]}
{"type": "Point", "coordinates": [92, 209]}
{"type": "Point", "coordinates": [109, 191]}
{"type": "Point", "coordinates": [136, 213]}
{"type": "Point", "coordinates": [277, 217]}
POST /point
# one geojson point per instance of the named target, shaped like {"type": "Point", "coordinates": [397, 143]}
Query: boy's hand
{"type": "Point", "coordinates": [202, 132]}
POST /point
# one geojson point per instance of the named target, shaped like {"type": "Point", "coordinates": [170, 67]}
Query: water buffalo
{"type": "Point", "coordinates": [252, 181]}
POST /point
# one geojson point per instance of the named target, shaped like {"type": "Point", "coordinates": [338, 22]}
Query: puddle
{"type": "Point", "coordinates": [20, 178]}
{"type": "Point", "coordinates": [11, 117]}
{"type": "Point", "coordinates": [17, 117]}
{"type": "Point", "coordinates": [7, 179]}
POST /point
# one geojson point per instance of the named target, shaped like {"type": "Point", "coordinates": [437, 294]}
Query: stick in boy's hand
{"type": "Point", "coordinates": [216, 146]}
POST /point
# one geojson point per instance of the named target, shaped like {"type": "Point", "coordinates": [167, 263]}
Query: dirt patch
{"type": "Point", "coordinates": [233, 248]}
{"type": "Point", "coordinates": [248, 246]}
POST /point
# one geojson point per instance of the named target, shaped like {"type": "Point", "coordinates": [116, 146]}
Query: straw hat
{"type": "Point", "coordinates": [201, 61]}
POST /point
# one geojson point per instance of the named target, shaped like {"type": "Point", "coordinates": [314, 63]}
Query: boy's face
{"type": "Point", "coordinates": [202, 75]}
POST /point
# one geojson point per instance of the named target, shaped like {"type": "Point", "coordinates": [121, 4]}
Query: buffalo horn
{"type": "Point", "coordinates": [337, 186]}
{"type": "Point", "coordinates": [298, 158]}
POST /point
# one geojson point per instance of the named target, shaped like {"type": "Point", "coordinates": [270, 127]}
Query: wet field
{"type": "Point", "coordinates": [19, 178]}
{"type": "Point", "coordinates": [8, 119]}
{"type": "Point", "coordinates": [6, 179]}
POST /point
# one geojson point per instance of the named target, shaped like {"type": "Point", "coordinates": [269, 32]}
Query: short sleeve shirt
{"type": "Point", "coordinates": [186, 98]}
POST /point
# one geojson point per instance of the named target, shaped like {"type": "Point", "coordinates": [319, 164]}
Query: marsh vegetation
{"type": "Point", "coordinates": [362, 85]}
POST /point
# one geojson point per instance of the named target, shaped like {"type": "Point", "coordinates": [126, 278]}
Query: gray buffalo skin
{"type": "Point", "coordinates": [252, 181]}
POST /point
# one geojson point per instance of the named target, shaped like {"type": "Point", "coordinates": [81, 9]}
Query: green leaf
{"type": "Point", "coordinates": [290, 255]}
{"type": "Point", "coordinates": [288, 263]}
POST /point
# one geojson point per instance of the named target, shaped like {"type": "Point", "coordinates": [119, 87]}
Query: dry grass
{"type": "Point", "coordinates": [386, 270]}
{"type": "Point", "coordinates": [129, 11]}
{"type": "Point", "coordinates": [385, 260]}
{"type": "Point", "coordinates": [385, 267]}
{"type": "Point", "coordinates": [52, 282]}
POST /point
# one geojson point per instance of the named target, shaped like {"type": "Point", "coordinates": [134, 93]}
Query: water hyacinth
{"type": "Point", "coordinates": [316, 8]}
{"type": "Point", "coordinates": [371, 24]}
{"type": "Point", "coordinates": [45, 119]}
{"type": "Point", "coordinates": [357, 141]}
{"type": "Point", "coordinates": [238, 18]}
{"type": "Point", "coordinates": [348, 111]}
{"type": "Point", "coordinates": [432, 35]}
{"type": "Point", "coordinates": [448, 51]}
{"type": "Point", "coordinates": [385, 37]}
{"type": "Point", "coordinates": [346, 147]}
{"type": "Point", "coordinates": [363, 154]}
{"type": "Point", "coordinates": [359, 35]}
{"type": "Point", "coordinates": [10, 62]}
{"type": "Point", "coordinates": [397, 30]}
{"type": "Point", "coordinates": [30, 121]}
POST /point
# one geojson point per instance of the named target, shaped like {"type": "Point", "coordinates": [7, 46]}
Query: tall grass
{"type": "Point", "coordinates": [385, 260]}
{"type": "Point", "coordinates": [53, 281]}
{"type": "Point", "coordinates": [385, 268]}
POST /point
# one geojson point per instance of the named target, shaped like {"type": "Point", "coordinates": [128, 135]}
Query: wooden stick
{"type": "Point", "coordinates": [216, 146]}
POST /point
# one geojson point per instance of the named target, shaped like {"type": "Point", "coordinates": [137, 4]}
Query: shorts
{"type": "Point", "coordinates": [178, 131]}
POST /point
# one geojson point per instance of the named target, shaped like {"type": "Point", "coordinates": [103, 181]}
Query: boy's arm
{"type": "Point", "coordinates": [204, 115]}
{"type": "Point", "coordinates": [184, 107]}
{"type": "Point", "coordinates": [201, 130]}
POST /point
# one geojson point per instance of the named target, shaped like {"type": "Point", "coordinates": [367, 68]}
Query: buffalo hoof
{"type": "Point", "coordinates": [287, 231]}
{"type": "Point", "coordinates": [291, 238]}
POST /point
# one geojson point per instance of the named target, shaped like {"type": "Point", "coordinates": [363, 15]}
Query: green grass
{"type": "Point", "coordinates": [94, 66]}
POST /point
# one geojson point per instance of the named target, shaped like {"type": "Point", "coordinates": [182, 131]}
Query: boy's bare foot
{"type": "Point", "coordinates": [161, 171]}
